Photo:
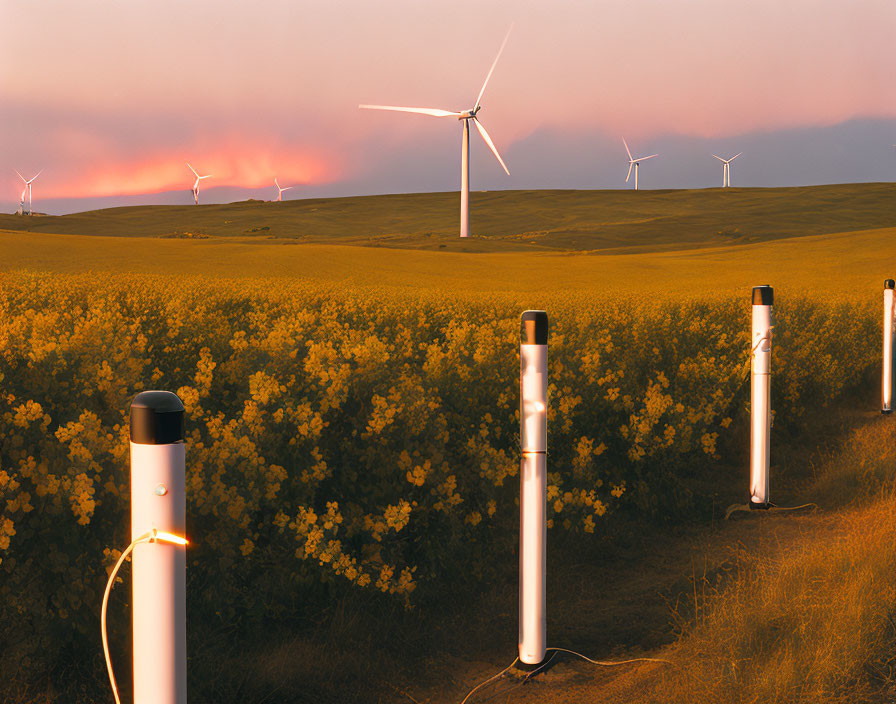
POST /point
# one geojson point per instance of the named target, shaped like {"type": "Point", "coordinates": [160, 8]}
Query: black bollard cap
{"type": "Point", "coordinates": [763, 295]}
{"type": "Point", "coordinates": [889, 283]}
{"type": "Point", "coordinates": [534, 328]}
{"type": "Point", "coordinates": [157, 418]}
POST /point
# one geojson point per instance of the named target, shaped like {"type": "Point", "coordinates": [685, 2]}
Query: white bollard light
{"type": "Point", "coordinates": [158, 503]}
{"type": "Point", "coordinates": [760, 403]}
{"type": "Point", "coordinates": [887, 376]}
{"type": "Point", "coordinates": [533, 483]}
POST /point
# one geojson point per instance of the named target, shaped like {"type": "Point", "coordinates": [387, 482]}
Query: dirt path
{"type": "Point", "coordinates": [630, 604]}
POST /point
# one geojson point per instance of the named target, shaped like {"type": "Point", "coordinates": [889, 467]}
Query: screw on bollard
{"type": "Point", "coordinates": [533, 484]}
{"type": "Point", "coordinates": [887, 375]}
{"type": "Point", "coordinates": [760, 404]}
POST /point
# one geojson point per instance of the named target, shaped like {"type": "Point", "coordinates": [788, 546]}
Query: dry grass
{"type": "Point", "coordinates": [806, 613]}
{"type": "Point", "coordinates": [812, 623]}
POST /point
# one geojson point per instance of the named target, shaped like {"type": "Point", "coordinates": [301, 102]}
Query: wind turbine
{"type": "Point", "coordinates": [726, 169]}
{"type": "Point", "coordinates": [195, 188]}
{"type": "Point", "coordinates": [280, 190]}
{"type": "Point", "coordinates": [466, 116]}
{"type": "Point", "coordinates": [634, 163]}
{"type": "Point", "coordinates": [28, 188]}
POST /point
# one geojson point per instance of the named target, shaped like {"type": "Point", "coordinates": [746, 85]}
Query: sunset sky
{"type": "Point", "coordinates": [111, 98]}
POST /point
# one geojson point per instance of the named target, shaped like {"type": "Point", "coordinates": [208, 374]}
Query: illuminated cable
{"type": "Point", "coordinates": [151, 536]}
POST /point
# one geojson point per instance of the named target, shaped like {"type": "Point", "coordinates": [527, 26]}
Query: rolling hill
{"type": "Point", "coordinates": [508, 220]}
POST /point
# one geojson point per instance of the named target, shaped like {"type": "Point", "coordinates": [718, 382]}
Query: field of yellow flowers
{"type": "Point", "coordinates": [354, 437]}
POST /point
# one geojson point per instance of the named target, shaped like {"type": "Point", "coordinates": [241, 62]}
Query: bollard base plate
{"type": "Point", "coordinates": [528, 667]}
{"type": "Point", "coordinates": [525, 671]}
{"type": "Point", "coordinates": [886, 411]}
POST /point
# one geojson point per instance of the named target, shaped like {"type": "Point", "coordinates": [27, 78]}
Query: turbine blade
{"type": "Point", "coordinates": [491, 145]}
{"type": "Point", "coordinates": [206, 176]}
{"type": "Point", "coordinates": [631, 165]}
{"type": "Point", "coordinates": [720, 159]}
{"type": "Point", "coordinates": [642, 158]}
{"type": "Point", "coordinates": [192, 169]}
{"type": "Point", "coordinates": [628, 151]}
{"type": "Point", "coordinates": [276, 184]}
{"type": "Point", "coordinates": [735, 156]}
{"type": "Point", "coordinates": [492, 69]}
{"type": "Point", "coordinates": [23, 178]}
{"type": "Point", "coordinates": [435, 112]}
{"type": "Point", "coordinates": [287, 188]}
{"type": "Point", "coordinates": [36, 175]}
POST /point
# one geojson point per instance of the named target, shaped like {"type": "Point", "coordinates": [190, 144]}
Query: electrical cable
{"type": "Point", "coordinates": [150, 536]}
{"type": "Point", "coordinates": [767, 336]}
{"type": "Point", "coordinates": [604, 663]}
{"type": "Point", "coordinates": [771, 507]}
{"type": "Point", "coordinates": [609, 663]}
{"type": "Point", "coordinates": [489, 680]}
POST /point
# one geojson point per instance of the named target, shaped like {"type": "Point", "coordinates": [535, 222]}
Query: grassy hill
{"type": "Point", "coordinates": [508, 220]}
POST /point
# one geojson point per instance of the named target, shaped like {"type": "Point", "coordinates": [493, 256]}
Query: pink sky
{"type": "Point", "coordinates": [113, 97]}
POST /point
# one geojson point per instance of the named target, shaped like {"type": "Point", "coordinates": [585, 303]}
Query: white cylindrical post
{"type": "Point", "coordinates": [159, 568]}
{"type": "Point", "coordinates": [465, 181]}
{"type": "Point", "coordinates": [760, 405]}
{"type": "Point", "coordinates": [887, 376]}
{"type": "Point", "coordinates": [533, 483]}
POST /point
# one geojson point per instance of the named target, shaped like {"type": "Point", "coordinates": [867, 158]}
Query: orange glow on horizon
{"type": "Point", "coordinates": [243, 167]}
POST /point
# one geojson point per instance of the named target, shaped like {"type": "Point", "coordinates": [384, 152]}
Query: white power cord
{"type": "Point", "coordinates": [151, 536]}
{"type": "Point", "coordinates": [604, 663]}
{"type": "Point", "coordinates": [767, 336]}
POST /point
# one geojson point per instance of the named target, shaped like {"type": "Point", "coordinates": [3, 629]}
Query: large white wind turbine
{"type": "Point", "coordinates": [726, 169]}
{"type": "Point", "coordinates": [280, 190]}
{"type": "Point", "coordinates": [195, 188]}
{"type": "Point", "coordinates": [28, 188]}
{"type": "Point", "coordinates": [466, 116]}
{"type": "Point", "coordinates": [634, 163]}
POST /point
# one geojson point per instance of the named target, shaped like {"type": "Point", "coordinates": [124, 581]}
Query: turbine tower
{"type": "Point", "coordinates": [726, 169]}
{"type": "Point", "coordinates": [28, 188]}
{"type": "Point", "coordinates": [195, 188]}
{"type": "Point", "coordinates": [280, 190]}
{"type": "Point", "coordinates": [466, 116]}
{"type": "Point", "coordinates": [634, 163]}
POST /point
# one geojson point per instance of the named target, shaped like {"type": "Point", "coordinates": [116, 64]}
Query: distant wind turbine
{"type": "Point", "coordinates": [195, 188]}
{"type": "Point", "coordinates": [466, 116]}
{"type": "Point", "coordinates": [634, 163]}
{"type": "Point", "coordinates": [280, 190]}
{"type": "Point", "coordinates": [28, 188]}
{"type": "Point", "coordinates": [726, 169]}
